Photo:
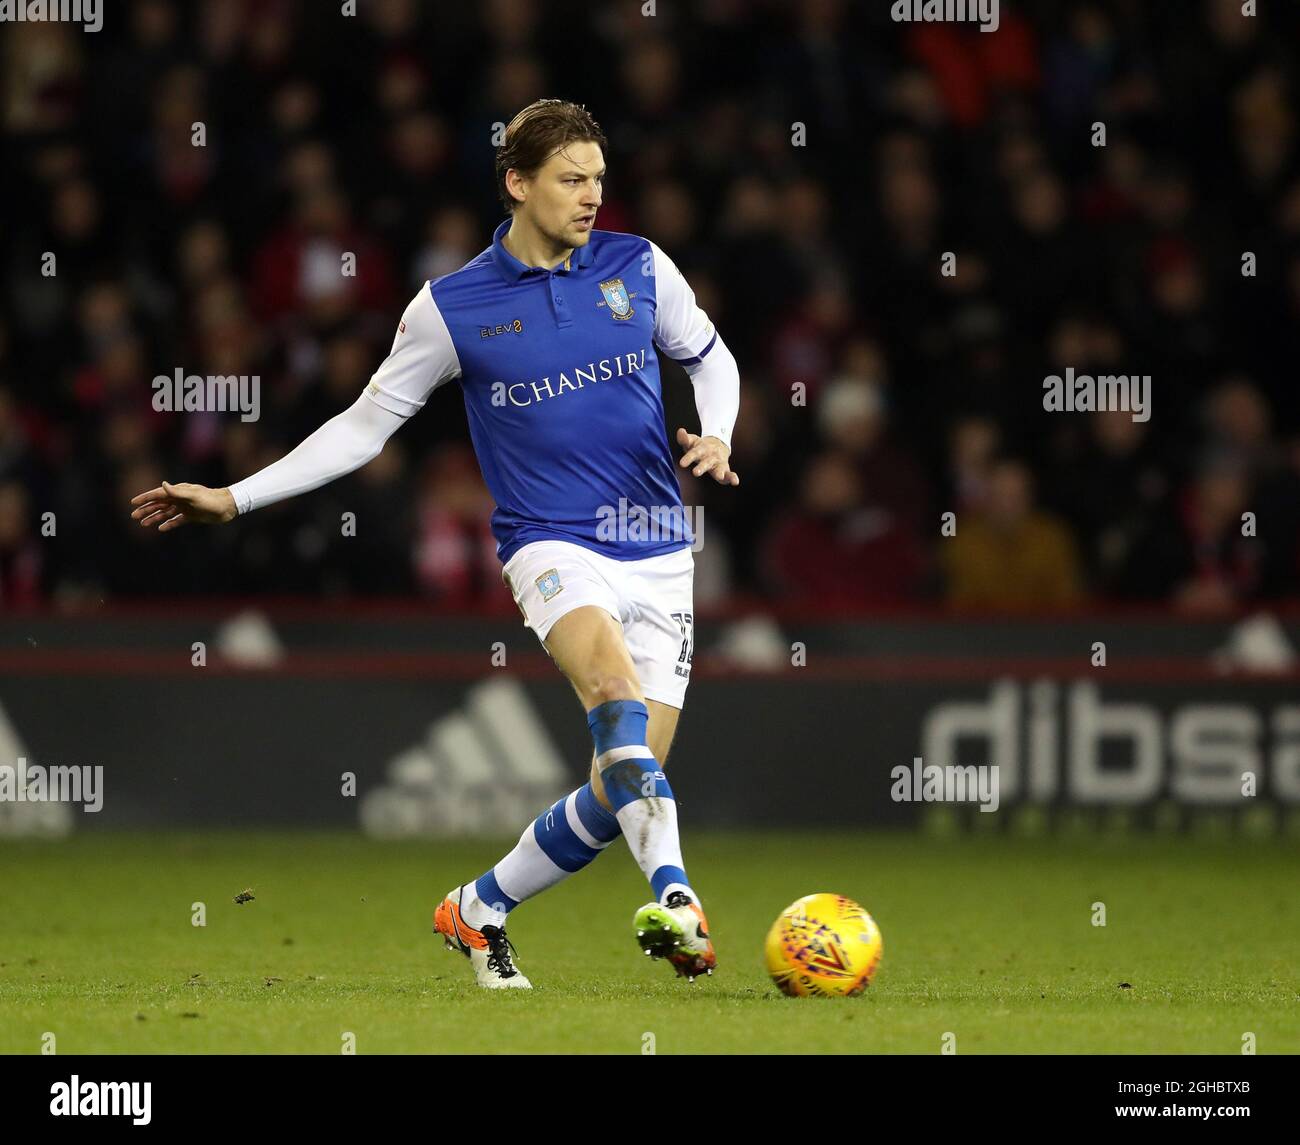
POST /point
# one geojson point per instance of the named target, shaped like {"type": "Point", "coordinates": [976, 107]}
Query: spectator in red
{"type": "Point", "coordinates": [1202, 558]}
{"type": "Point", "coordinates": [835, 550]}
{"type": "Point", "coordinates": [971, 68]}
{"type": "Point", "coordinates": [22, 562]}
{"type": "Point", "coordinates": [811, 340]}
{"type": "Point", "coordinates": [303, 269]}
{"type": "Point", "coordinates": [455, 553]}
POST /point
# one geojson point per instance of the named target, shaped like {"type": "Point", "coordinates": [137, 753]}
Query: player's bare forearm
{"type": "Point", "coordinates": [171, 506]}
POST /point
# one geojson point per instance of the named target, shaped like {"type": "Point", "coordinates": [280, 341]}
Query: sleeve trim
{"type": "Point", "coordinates": [698, 358]}
{"type": "Point", "coordinates": [403, 407]}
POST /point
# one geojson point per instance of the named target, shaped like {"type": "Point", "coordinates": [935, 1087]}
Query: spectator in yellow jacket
{"type": "Point", "coordinates": [1009, 555]}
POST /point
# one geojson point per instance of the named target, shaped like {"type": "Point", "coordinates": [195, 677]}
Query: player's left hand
{"type": "Point", "coordinates": [708, 455]}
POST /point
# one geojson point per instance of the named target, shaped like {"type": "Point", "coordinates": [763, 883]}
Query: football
{"type": "Point", "coordinates": [823, 945]}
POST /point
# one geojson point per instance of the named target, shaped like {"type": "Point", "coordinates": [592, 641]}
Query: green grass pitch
{"type": "Point", "coordinates": [988, 938]}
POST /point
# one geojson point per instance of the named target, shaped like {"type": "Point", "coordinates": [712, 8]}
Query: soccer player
{"type": "Point", "coordinates": [551, 332]}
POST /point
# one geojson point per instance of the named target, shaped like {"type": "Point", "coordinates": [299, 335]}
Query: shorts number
{"type": "Point", "coordinates": [686, 622]}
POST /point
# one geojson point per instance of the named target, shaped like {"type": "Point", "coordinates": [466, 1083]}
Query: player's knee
{"type": "Point", "coordinates": [598, 788]}
{"type": "Point", "coordinates": [603, 689]}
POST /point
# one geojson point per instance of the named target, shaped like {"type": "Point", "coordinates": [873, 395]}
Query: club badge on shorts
{"type": "Point", "coordinates": [616, 296]}
{"type": "Point", "coordinates": [549, 584]}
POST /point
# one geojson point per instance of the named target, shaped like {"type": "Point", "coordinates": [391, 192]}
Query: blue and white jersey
{"type": "Point", "coordinates": [561, 386]}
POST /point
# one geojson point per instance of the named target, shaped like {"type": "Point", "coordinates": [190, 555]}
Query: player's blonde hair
{"type": "Point", "coordinates": [538, 132]}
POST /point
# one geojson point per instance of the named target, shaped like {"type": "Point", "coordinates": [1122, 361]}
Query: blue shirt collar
{"type": "Point", "coordinates": [512, 270]}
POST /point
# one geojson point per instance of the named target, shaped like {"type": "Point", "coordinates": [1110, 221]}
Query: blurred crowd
{"type": "Point", "coordinates": [807, 164]}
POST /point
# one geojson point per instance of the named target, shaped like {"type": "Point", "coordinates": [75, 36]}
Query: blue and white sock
{"type": "Point", "coordinates": [638, 791]}
{"type": "Point", "coordinates": [561, 841]}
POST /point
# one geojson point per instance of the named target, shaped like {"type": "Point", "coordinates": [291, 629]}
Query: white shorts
{"type": "Point", "coordinates": [650, 598]}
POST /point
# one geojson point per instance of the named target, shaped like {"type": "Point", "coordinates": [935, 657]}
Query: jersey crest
{"type": "Point", "coordinates": [616, 296]}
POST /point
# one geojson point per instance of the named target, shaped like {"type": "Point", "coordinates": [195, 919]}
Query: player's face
{"type": "Point", "coordinates": [565, 194]}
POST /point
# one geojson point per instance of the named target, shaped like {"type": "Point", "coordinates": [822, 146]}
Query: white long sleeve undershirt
{"type": "Point", "coordinates": [716, 381]}
{"type": "Point", "coordinates": [344, 443]}
{"type": "Point", "coordinates": [357, 435]}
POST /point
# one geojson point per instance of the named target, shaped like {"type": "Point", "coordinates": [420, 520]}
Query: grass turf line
{"type": "Point", "coordinates": [989, 938]}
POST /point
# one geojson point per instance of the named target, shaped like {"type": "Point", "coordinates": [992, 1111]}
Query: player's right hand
{"type": "Point", "coordinates": [170, 506]}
